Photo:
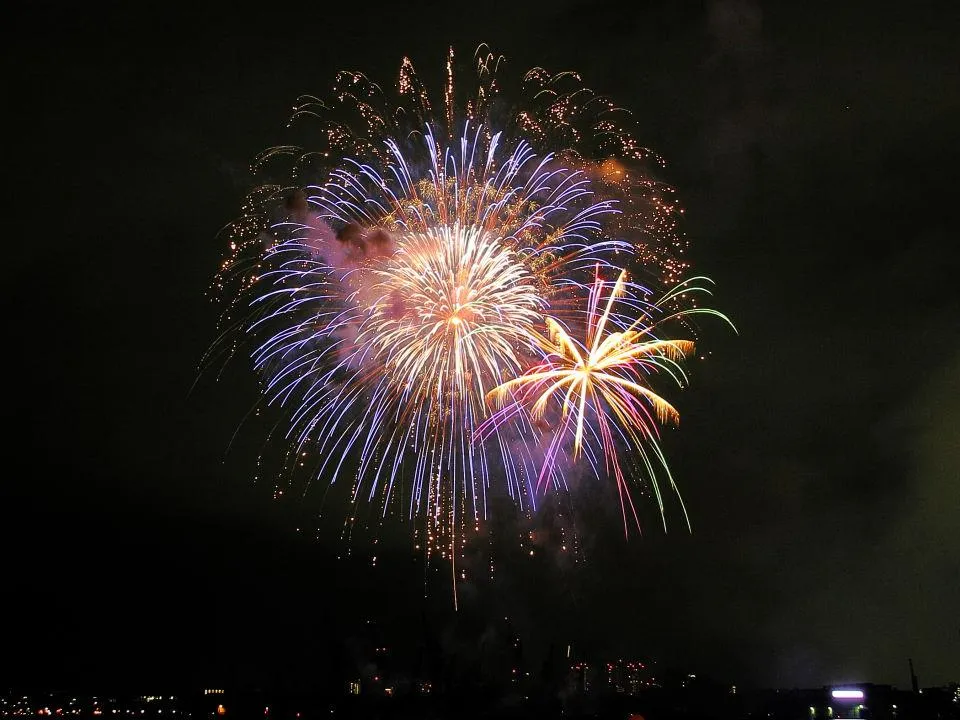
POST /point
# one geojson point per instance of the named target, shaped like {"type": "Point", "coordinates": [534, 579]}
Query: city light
{"type": "Point", "coordinates": [847, 694]}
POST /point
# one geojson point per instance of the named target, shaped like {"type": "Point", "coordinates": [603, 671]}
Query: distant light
{"type": "Point", "coordinates": [847, 694]}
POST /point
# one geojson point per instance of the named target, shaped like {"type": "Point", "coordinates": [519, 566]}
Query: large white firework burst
{"type": "Point", "coordinates": [409, 263]}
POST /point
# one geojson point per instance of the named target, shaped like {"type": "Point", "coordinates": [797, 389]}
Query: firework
{"type": "Point", "coordinates": [383, 339]}
{"type": "Point", "coordinates": [600, 387]}
{"type": "Point", "coordinates": [419, 260]}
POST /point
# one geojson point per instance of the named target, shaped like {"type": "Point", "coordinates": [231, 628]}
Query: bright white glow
{"type": "Point", "coordinates": [847, 694]}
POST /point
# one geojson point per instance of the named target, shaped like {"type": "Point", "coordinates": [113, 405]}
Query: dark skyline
{"type": "Point", "coordinates": [816, 151]}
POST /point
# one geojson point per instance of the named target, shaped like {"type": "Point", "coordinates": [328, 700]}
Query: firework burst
{"type": "Point", "coordinates": [419, 260]}
{"type": "Point", "coordinates": [601, 387]}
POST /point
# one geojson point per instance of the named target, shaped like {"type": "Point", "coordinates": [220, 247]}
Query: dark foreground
{"type": "Point", "coordinates": [423, 702]}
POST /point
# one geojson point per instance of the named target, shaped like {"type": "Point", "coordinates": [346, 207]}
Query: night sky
{"type": "Point", "coordinates": [817, 152]}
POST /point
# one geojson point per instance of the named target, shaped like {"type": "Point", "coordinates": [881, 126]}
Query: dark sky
{"type": "Point", "coordinates": [817, 152]}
